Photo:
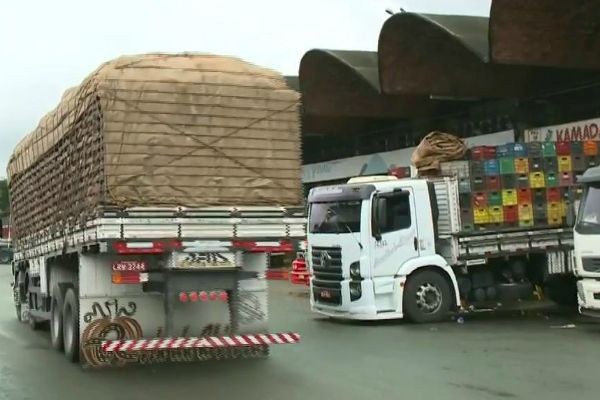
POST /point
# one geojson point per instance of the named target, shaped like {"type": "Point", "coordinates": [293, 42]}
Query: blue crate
{"type": "Point", "coordinates": [504, 150]}
{"type": "Point", "coordinates": [519, 150]}
{"type": "Point", "coordinates": [491, 168]}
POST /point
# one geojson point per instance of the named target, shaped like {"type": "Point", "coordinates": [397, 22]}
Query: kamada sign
{"type": "Point", "coordinates": [573, 132]}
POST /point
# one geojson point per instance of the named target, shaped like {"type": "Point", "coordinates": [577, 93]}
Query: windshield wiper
{"type": "Point", "coordinates": [345, 225]}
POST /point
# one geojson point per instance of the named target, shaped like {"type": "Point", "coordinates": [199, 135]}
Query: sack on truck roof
{"type": "Point", "coordinates": [436, 148]}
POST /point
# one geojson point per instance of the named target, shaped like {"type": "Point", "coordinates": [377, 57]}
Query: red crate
{"type": "Point", "coordinates": [480, 200]}
{"type": "Point", "coordinates": [524, 196]}
{"type": "Point", "coordinates": [563, 148]}
{"type": "Point", "coordinates": [511, 214]}
{"type": "Point", "coordinates": [493, 183]}
{"type": "Point", "coordinates": [553, 195]}
{"type": "Point", "coordinates": [483, 153]}
{"type": "Point", "coordinates": [565, 179]}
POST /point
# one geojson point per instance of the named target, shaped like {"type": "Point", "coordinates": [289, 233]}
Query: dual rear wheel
{"type": "Point", "coordinates": [64, 320]}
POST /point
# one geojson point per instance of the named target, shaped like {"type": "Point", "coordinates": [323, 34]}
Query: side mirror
{"type": "Point", "coordinates": [380, 216]}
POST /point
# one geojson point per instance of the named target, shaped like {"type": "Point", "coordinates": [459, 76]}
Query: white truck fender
{"type": "Point", "coordinates": [436, 261]}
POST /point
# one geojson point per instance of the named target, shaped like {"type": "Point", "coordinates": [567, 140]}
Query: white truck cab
{"type": "Point", "coordinates": [587, 244]}
{"type": "Point", "coordinates": [372, 251]}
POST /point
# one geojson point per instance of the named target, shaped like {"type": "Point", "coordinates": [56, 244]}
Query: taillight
{"type": "Point", "coordinates": [203, 296]}
{"type": "Point", "coordinates": [284, 246]}
{"type": "Point", "coordinates": [129, 277]}
{"type": "Point", "coordinates": [155, 247]}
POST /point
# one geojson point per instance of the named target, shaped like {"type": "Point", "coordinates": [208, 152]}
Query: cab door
{"type": "Point", "coordinates": [394, 239]}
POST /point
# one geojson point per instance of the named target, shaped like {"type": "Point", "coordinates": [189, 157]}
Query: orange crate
{"type": "Point", "coordinates": [564, 164]}
{"type": "Point", "coordinates": [590, 148]}
{"type": "Point", "coordinates": [537, 180]}
{"type": "Point", "coordinates": [521, 165]}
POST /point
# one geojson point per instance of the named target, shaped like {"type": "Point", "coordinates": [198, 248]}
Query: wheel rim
{"type": "Point", "coordinates": [68, 327]}
{"type": "Point", "coordinates": [55, 320]}
{"type": "Point", "coordinates": [429, 298]}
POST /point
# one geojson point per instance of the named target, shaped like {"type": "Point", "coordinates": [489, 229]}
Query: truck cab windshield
{"type": "Point", "coordinates": [589, 213]}
{"type": "Point", "coordinates": [335, 217]}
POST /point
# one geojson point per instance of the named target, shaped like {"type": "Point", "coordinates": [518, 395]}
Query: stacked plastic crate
{"type": "Point", "coordinates": [520, 185]}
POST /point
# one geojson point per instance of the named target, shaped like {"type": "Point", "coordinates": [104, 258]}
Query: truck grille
{"type": "Point", "coordinates": [590, 264]}
{"type": "Point", "coordinates": [327, 274]}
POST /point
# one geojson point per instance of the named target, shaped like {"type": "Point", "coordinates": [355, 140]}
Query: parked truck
{"type": "Point", "coordinates": [587, 236]}
{"type": "Point", "coordinates": [145, 207]}
{"type": "Point", "coordinates": [381, 247]}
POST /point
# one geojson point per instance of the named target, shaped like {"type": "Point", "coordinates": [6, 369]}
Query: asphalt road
{"type": "Point", "coordinates": [488, 357]}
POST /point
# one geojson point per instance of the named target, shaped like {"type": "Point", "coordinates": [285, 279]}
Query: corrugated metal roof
{"type": "Point", "coordinates": [549, 33]}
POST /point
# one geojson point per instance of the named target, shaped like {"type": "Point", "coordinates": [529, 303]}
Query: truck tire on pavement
{"type": "Point", "coordinates": [70, 329]}
{"type": "Point", "coordinates": [427, 297]}
{"type": "Point", "coordinates": [17, 297]}
{"type": "Point", "coordinates": [56, 318]}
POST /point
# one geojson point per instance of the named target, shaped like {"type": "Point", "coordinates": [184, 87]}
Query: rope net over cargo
{"type": "Point", "coordinates": [159, 130]}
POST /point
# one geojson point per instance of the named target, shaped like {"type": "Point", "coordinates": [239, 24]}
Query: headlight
{"type": "Point", "coordinates": [355, 291]}
{"type": "Point", "coordinates": [355, 271]}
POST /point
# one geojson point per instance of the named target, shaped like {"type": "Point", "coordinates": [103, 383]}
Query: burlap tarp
{"type": "Point", "coordinates": [160, 130]}
{"type": "Point", "coordinates": [436, 148]}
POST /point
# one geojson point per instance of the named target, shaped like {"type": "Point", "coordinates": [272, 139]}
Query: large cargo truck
{"type": "Point", "coordinates": [491, 230]}
{"type": "Point", "coordinates": [145, 206]}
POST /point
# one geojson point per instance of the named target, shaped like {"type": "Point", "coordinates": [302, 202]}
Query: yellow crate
{"type": "Point", "coordinates": [509, 197]}
{"type": "Point", "coordinates": [554, 221]}
{"type": "Point", "coordinates": [526, 223]}
{"type": "Point", "coordinates": [563, 208]}
{"type": "Point", "coordinates": [536, 180]}
{"type": "Point", "coordinates": [564, 164]}
{"type": "Point", "coordinates": [496, 214]}
{"type": "Point", "coordinates": [481, 216]}
{"type": "Point", "coordinates": [555, 210]}
{"type": "Point", "coordinates": [521, 165]}
{"type": "Point", "coordinates": [525, 212]}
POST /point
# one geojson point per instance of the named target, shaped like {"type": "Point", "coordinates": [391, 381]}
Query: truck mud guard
{"type": "Point", "coordinates": [139, 345]}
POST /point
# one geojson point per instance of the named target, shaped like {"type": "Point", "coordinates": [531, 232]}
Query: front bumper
{"type": "Point", "coordinates": [588, 296]}
{"type": "Point", "coordinates": [372, 305]}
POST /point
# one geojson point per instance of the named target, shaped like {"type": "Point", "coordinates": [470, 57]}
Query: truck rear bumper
{"type": "Point", "coordinates": [588, 296]}
{"type": "Point", "coordinates": [140, 345]}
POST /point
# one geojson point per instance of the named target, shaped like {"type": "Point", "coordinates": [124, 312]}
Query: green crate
{"type": "Point", "coordinates": [507, 165]}
{"type": "Point", "coordinates": [549, 149]}
{"type": "Point", "coordinates": [494, 199]}
{"type": "Point", "coordinates": [551, 179]}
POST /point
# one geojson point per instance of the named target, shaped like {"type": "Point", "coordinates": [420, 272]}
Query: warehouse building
{"type": "Point", "coordinates": [531, 71]}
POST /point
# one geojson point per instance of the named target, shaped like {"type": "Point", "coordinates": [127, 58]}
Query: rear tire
{"type": "Point", "coordinates": [427, 297]}
{"type": "Point", "coordinates": [56, 318]}
{"type": "Point", "coordinates": [18, 297]}
{"type": "Point", "coordinates": [71, 325]}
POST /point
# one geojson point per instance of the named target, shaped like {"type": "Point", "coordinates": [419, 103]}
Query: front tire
{"type": "Point", "coordinates": [427, 297]}
{"type": "Point", "coordinates": [71, 325]}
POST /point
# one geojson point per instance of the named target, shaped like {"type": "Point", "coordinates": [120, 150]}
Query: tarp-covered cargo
{"type": "Point", "coordinates": [159, 130]}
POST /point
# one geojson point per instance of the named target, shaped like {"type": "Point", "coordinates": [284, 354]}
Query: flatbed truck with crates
{"type": "Point", "coordinates": [142, 223]}
{"type": "Point", "coordinates": [494, 229]}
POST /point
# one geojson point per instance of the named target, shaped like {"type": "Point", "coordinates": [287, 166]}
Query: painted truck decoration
{"type": "Point", "coordinates": [145, 208]}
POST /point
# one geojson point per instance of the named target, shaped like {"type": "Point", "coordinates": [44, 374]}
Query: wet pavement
{"type": "Point", "coordinates": [549, 354]}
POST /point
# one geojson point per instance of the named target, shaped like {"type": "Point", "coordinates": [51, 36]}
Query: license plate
{"type": "Point", "coordinates": [325, 294]}
{"type": "Point", "coordinates": [138, 266]}
{"type": "Point", "coordinates": [205, 260]}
